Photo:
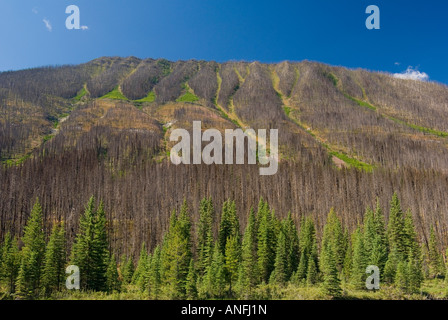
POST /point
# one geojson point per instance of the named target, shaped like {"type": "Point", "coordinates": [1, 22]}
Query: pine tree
{"type": "Point", "coordinates": [292, 248]}
{"type": "Point", "coordinates": [232, 260]}
{"type": "Point", "coordinates": [10, 263]}
{"type": "Point", "coordinates": [154, 274]}
{"type": "Point", "coordinates": [55, 258]}
{"type": "Point", "coordinates": [401, 277]}
{"type": "Point", "coordinates": [348, 263]}
{"type": "Point", "coordinates": [205, 235]}
{"type": "Point", "coordinates": [331, 285]}
{"type": "Point", "coordinates": [90, 249]}
{"type": "Point", "coordinates": [360, 261]}
{"type": "Point", "coordinates": [279, 275]}
{"type": "Point", "coordinates": [32, 253]}
{"type": "Point", "coordinates": [127, 269]}
{"type": "Point", "coordinates": [379, 248]}
{"type": "Point", "coordinates": [311, 274]}
{"type": "Point", "coordinates": [176, 254]}
{"type": "Point", "coordinates": [266, 249]}
{"type": "Point", "coordinates": [248, 273]}
{"type": "Point", "coordinates": [229, 225]}
{"type": "Point", "coordinates": [307, 248]}
{"type": "Point", "coordinates": [396, 229]}
{"type": "Point", "coordinates": [415, 275]}
{"type": "Point", "coordinates": [112, 277]}
{"type": "Point", "coordinates": [333, 236]}
{"type": "Point", "coordinates": [142, 266]}
{"type": "Point", "coordinates": [190, 286]}
{"type": "Point", "coordinates": [435, 259]}
{"type": "Point", "coordinates": [214, 281]}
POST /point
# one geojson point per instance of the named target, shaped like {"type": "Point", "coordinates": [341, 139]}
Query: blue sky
{"type": "Point", "coordinates": [413, 33]}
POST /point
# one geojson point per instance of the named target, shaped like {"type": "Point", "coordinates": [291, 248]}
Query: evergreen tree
{"type": "Point", "coordinates": [176, 254]}
{"type": "Point", "coordinates": [9, 266]}
{"type": "Point", "coordinates": [279, 275]}
{"type": "Point", "coordinates": [333, 236]}
{"type": "Point", "coordinates": [401, 277]}
{"type": "Point", "coordinates": [331, 285]}
{"type": "Point", "coordinates": [415, 275]}
{"type": "Point", "coordinates": [307, 248]}
{"type": "Point", "coordinates": [232, 260]}
{"type": "Point", "coordinates": [32, 253]}
{"type": "Point", "coordinates": [90, 249]}
{"type": "Point", "coordinates": [311, 274]}
{"type": "Point", "coordinates": [154, 274]}
{"type": "Point", "coordinates": [112, 277]}
{"type": "Point", "coordinates": [248, 273]}
{"type": "Point", "coordinates": [214, 281]}
{"type": "Point", "coordinates": [435, 259]}
{"type": "Point", "coordinates": [292, 246]}
{"type": "Point", "coordinates": [205, 235]}
{"type": "Point", "coordinates": [229, 225]}
{"type": "Point", "coordinates": [55, 258]}
{"type": "Point", "coordinates": [127, 269]}
{"type": "Point", "coordinates": [190, 287]}
{"type": "Point", "coordinates": [266, 249]}
{"type": "Point", "coordinates": [396, 229]}
{"type": "Point", "coordinates": [142, 266]}
{"type": "Point", "coordinates": [360, 261]}
{"type": "Point", "coordinates": [378, 254]}
{"type": "Point", "coordinates": [348, 263]}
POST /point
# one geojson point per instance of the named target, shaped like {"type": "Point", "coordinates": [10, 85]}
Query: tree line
{"type": "Point", "coordinates": [195, 262]}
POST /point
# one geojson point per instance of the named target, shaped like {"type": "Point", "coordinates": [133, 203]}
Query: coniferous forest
{"type": "Point", "coordinates": [271, 258]}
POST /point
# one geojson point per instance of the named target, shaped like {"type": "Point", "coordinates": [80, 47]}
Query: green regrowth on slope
{"type": "Point", "coordinates": [115, 95]}
{"type": "Point", "coordinates": [151, 97]}
{"type": "Point", "coordinates": [187, 97]}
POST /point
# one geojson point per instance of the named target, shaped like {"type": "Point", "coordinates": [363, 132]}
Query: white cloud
{"type": "Point", "coordinates": [34, 10]}
{"type": "Point", "coordinates": [48, 24]}
{"type": "Point", "coordinates": [397, 63]}
{"type": "Point", "coordinates": [412, 74]}
{"type": "Point", "coordinates": [84, 28]}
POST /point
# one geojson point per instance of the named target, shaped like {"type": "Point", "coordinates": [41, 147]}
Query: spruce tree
{"type": "Point", "coordinates": [292, 246]}
{"type": "Point", "coordinates": [205, 235]}
{"type": "Point", "coordinates": [112, 277]}
{"type": "Point", "coordinates": [32, 253]}
{"type": "Point", "coordinates": [142, 266]}
{"type": "Point", "coordinates": [248, 273]}
{"type": "Point", "coordinates": [401, 277]}
{"type": "Point", "coordinates": [55, 259]}
{"type": "Point", "coordinates": [358, 274]}
{"type": "Point", "coordinates": [90, 249]}
{"type": "Point", "coordinates": [307, 248]}
{"type": "Point", "coordinates": [379, 246]}
{"type": "Point", "coordinates": [190, 286]}
{"type": "Point", "coordinates": [331, 285]}
{"type": "Point", "coordinates": [396, 228]}
{"type": "Point", "coordinates": [10, 263]}
{"type": "Point", "coordinates": [279, 274]}
{"type": "Point", "coordinates": [311, 274]}
{"type": "Point", "coordinates": [229, 225]}
{"type": "Point", "coordinates": [155, 274]}
{"type": "Point", "coordinates": [127, 269]}
{"type": "Point", "coordinates": [214, 281]}
{"type": "Point", "coordinates": [435, 259]}
{"type": "Point", "coordinates": [232, 260]}
{"type": "Point", "coordinates": [333, 236]}
{"type": "Point", "coordinates": [265, 236]}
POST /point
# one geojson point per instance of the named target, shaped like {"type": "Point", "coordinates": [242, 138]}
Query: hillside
{"type": "Point", "coordinates": [347, 137]}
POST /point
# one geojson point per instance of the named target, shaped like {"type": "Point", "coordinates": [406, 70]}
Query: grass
{"type": "Point", "coordinates": [287, 110]}
{"type": "Point", "coordinates": [115, 95]}
{"type": "Point", "coordinates": [353, 162]}
{"type": "Point", "coordinates": [80, 94]}
{"type": "Point", "coordinates": [151, 97]}
{"type": "Point", "coordinates": [187, 97]}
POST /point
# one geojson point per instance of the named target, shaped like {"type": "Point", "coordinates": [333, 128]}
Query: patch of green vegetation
{"type": "Point", "coordinates": [438, 133]}
{"type": "Point", "coordinates": [187, 97]}
{"type": "Point", "coordinates": [360, 102]}
{"type": "Point", "coordinates": [333, 78]}
{"type": "Point", "coordinates": [287, 110]}
{"type": "Point", "coordinates": [151, 97]}
{"type": "Point", "coordinates": [353, 162]}
{"type": "Point", "coordinates": [80, 94]}
{"type": "Point", "coordinates": [166, 66]}
{"type": "Point", "coordinates": [13, 162]}
{"type": "Point", "coordinates": [115, 95]}
{"type": "Point", "coordinates": [46, 138]}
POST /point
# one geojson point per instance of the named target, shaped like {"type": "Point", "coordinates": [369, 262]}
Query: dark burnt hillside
{"type": "Point", "coordinates": [346, 137]}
